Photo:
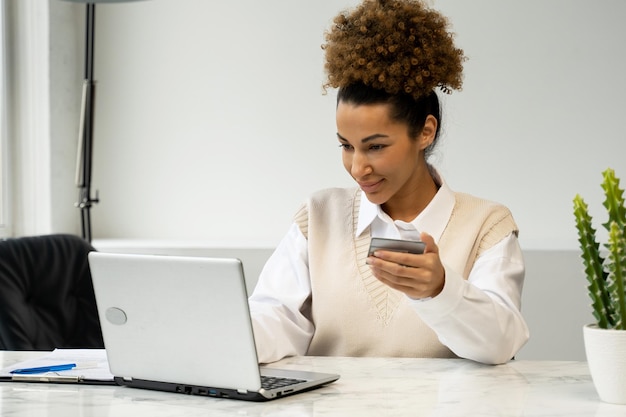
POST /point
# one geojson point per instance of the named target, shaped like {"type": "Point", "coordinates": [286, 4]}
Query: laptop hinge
{"type": "Point", "coordinates": [242, 391]}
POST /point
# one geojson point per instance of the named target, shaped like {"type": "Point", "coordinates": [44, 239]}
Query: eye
{"type": "Point", "coordinates": [345, 146]}
{"type": "Point", "coordinates": [376, 147]}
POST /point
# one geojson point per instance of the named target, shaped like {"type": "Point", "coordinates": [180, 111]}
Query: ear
{"type": "Point", "coordinates": [428, 132]}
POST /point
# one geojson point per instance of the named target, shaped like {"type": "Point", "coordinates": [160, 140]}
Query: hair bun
{"type": "Point", "coordinates": [400, 46]}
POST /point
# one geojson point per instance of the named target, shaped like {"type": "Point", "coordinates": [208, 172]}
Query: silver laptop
{"type": "Point", "coordinates": [182, 324]}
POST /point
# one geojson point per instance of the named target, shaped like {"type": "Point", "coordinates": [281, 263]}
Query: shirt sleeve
{"type": "Point", "coordinates": [480, 318]}
{"type": "Point", "coordinates": [280, 300]}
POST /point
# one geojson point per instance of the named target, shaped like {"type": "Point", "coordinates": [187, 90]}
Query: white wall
{"type": "Point", "coordinates": [211, 123]}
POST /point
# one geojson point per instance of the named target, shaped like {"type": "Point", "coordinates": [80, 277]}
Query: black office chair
{"type": "Point", "coordinates": [46, 294]}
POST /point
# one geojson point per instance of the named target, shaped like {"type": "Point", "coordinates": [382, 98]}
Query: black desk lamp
{"type": "Point", "coordinates": [85, 130]}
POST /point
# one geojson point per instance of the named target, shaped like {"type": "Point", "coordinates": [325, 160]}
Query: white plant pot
{"type": "Point", "coordinates": [606, 357]}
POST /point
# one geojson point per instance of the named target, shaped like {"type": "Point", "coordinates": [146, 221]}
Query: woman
{"type": "Point", "coordinates": [320, 293]}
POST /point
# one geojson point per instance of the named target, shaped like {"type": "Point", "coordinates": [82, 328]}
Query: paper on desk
{"type": "Point", "coordinates": [98, 372]}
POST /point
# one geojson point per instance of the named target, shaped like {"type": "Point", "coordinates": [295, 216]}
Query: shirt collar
{"type": "Point", "coordinates": [432, 220]}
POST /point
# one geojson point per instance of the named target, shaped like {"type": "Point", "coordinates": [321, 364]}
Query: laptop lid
{"type": "Point", "coordinates": [182, 324]}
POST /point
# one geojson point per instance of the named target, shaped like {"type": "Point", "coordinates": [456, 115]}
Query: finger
{"type": "Point", "coordinates": [406, 286]}
{"type": "Point", "coordinates": [431, 246]}
{"type": "Point", "coordinates": [391, 270]}
{"type": "Point", "coordinates": [402, 274]}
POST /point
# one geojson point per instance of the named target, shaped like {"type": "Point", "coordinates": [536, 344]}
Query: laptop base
{"type": "Point", "coordinates": [260, 396]}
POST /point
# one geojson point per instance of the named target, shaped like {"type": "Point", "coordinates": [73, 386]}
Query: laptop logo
{"type": "Point", "coordinates": [116, 316]}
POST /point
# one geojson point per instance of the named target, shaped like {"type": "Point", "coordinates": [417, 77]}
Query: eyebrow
{"type": "Point", "coordinates": [365, 139]}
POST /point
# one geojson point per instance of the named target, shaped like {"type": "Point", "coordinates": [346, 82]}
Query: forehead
{"type": "Point", "coordinates": [357, 121]}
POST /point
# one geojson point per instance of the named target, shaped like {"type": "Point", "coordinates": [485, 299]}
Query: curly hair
{"type": "Point", "coordinates": [399, 46]}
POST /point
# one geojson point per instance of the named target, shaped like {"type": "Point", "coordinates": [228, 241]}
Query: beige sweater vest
{"type": "Point", "coordinates": [353, 313]}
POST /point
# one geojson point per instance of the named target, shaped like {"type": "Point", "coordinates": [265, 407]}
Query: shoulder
{"type": "Point", "coordinates": [468, 202]}
{"type": "Point", "coordinates": [333, 194]}
{"type": "Point", "coordinates": [330, 197]}
{"type": "Point", "coordinates": [326, 202]}
{"type": "Point", "coordinates": [492, 215]}
{"type": "Point", "coordinates": [470, 205]}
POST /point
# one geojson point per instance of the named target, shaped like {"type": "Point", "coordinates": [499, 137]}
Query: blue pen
{"type": "Point", "coordinates": [44, 369]}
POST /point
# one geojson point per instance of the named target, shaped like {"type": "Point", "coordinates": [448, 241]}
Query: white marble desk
{"type": "Point", "coordinates": [368, 387]}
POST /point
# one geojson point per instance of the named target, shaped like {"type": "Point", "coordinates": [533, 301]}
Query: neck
{"type": "Point", "coordinates": [407, 205]}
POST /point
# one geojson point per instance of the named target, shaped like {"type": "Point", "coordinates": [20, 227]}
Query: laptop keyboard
{"type": "Point", "coordinates": [272, 382]}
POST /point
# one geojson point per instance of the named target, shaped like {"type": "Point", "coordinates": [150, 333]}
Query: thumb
{"type": "Point", "coordinates": [431, 246]}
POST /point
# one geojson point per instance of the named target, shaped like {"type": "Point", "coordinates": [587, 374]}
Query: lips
{"type": "Point", "coordinates": [370, 187]}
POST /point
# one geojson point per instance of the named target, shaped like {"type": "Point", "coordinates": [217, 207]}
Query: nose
{"type": "Point", "coordinates": [360, 166]}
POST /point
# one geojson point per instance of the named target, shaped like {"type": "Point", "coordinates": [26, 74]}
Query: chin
{"type": "Point", "coordinates": [376, 198]}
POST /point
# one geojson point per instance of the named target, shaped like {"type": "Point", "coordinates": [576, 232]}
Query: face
{"type": "Point", "coordinates": [378, 153]}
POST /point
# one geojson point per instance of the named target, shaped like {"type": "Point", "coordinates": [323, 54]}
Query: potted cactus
{"type": "Point", "coordinates": [605, 270]}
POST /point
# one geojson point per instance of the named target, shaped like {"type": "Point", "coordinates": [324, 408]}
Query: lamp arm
{"type": "Point", "coordinates": [85, 129]}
